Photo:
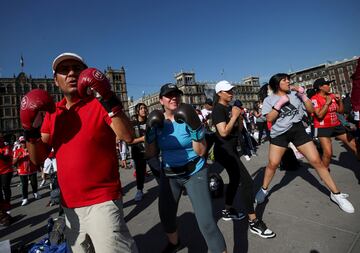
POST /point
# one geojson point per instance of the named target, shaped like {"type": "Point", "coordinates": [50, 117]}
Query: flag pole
{"type": "Point", "coordinates": [22, 63]}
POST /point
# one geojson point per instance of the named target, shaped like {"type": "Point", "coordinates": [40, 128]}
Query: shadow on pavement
{"type": "Point", "coordinates": [155, 239]}
{"type": "Point", "coordinates": [21, 223]}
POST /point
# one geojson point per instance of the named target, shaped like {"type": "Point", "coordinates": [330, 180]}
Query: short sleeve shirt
{"type": "Point", "coordinates": [176, 146]}
{"type": "Point", "coordinates": [290, 113]}
{"type": "Point", "coordinates": [222, 113]}
{"type": "Point", "coordinates": [138, 150]}
{"type": "Point", "coordinates": [330, 119]}
{"type": "Point", "coordinates": [24, 165]}
{"type": "Point", "coordinates": [6, 164]}
{"type": "Point", "coordinates": [85, 149]}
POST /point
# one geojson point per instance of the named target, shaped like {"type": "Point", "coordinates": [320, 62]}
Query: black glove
{"type": "Point", "coordinates": [155, 120]}
{"type": "Point", "coordinates": [185, 113]}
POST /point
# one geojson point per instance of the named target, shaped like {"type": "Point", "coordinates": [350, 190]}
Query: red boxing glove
{"type": "Point", "coordinates": [33, 104]}
{"type": "Point", "coordinates": [92, 79]}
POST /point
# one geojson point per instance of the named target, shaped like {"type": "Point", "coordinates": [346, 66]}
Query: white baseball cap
{"type": "Point", "coordinates": [223, 86]}
{"type": "Point", "coordinates": [66, 56]}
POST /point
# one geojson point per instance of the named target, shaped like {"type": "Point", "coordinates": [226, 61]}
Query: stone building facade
{"type": "Point", "coordinates": [339, 71]}
{"type": "Point", "coordinates": [195, 93]}
{"type": "Point", "coordinates": [13, 89]}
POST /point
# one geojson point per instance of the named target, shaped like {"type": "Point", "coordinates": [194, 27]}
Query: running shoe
{"type": "Point", "coordinates": [247, 158]}
{"type": "Point", "coordinates": [259, 228]}
{"type": "Point", "coordinates": [342, 202]}
{"type": "Point", "coordinates": [261, 195]}
{"type": "Point", "coordinates": [24, 202]}
{"type": "Point", "coordinates": [37, 195]}
{"type": "Point", "coordinates": [232, 214]}
{"type": "Point", "coordinates": [139, 195]}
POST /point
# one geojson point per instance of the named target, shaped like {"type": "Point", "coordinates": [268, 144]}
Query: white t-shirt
{"type": "Point", "coordinates": [50, 165]}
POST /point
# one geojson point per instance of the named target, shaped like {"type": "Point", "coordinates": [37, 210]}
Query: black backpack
{"type": "Point", "coordinates": [216, 185]}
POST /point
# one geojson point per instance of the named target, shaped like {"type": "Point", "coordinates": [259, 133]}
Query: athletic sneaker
{"type": "Point", "coordinates": [139, 195]}
{"type": "Point", "coordinates": [172, 248]}
{"type": "Point", "coordinates": [247, 158]}
{"type": "Point", "coordinates": [24, 202]}
{"type": "Point", "coordinates": [343, 203]}
{"type": "Point", "coordinates": [259, 228]}
{"type": "Point", "coordinates": [37, 195]}
{"type": "Point", "coordinates": [232, 214]}
{"type": "Point", "coordinates": [261, 195]}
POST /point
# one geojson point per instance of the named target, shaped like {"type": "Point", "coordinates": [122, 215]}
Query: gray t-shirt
{"type": "Point", "coordinates": [291, 112]}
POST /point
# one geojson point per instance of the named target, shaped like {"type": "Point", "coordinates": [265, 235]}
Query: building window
{"type": "Point", "coordinates": [7, 100]}
{"type": "Point", "coordinates": [7, 112]}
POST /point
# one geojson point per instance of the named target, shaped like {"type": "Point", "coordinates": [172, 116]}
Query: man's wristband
{"type": "Point", "coordinates": [278, 111]}
{"type": "Point", "coordinates": [112, 105]}
{"type": "Point", "coordinates": [32, 135]}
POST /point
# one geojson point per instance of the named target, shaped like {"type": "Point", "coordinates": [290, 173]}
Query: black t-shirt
{"type": "Point", "coordinates": [221, 113]}
{"type": "Point", "coordinates": [138, 150]}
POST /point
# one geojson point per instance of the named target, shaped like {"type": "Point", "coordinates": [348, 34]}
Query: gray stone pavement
{"type": "Point", "coordinates": [299, 210]}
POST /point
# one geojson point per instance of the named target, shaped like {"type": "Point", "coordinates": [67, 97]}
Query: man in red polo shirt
{"type": "Point", "coordinates": [82, 131]}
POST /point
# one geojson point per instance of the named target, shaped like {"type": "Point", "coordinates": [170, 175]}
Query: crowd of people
{"type": "Point", "coordinates": [89, 123]}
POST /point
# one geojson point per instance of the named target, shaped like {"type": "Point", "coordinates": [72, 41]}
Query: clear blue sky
{"type": "Point", "coordinates": [154, 39]}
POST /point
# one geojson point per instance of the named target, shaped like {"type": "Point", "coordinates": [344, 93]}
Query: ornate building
{"type": "Point", "coordinates": [195, 93]}
{"type": "Point", "coordinates": [12, 90]}
{"type": "Point", "coordinates": [339, 71]}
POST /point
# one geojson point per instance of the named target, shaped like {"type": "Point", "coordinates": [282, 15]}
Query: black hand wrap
{"type": "Point", "coordinates": [32, 135]}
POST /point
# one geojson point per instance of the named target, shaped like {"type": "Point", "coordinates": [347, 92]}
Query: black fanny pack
{"type": "Point", "coordinates": [184, 170]}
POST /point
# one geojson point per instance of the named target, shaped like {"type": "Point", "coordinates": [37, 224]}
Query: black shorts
{"type": "Point", "coordinates": [296, 134]}
{"type": "Point", "coordinates": [329, 131]}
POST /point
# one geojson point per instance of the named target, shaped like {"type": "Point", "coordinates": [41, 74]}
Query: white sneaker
{"type": "Point", "coordinates": [343, 203]}
{"type": "Point", "coordinates": [261, 195]}
{"type": "Point", "coordinates": [139, 195]}
{"type": "Point", "coordinates": [247, 158]}
{"type": "Point", "coordinates": [42, 183]}
{"type": "Point", "coordinates": [37, 195]}
{"type": "Point", "coordinates": [24, 202]}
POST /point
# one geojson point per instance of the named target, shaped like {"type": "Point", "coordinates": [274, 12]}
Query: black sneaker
{"type": "Point", "coordinates": [232, 214]}
{"type": "Point", "coordinates": [172, 248]}
{"type": "Point", "coordinates": [258, 227]}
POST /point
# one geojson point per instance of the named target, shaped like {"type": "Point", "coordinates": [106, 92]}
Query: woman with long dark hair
{"type": "Point", "coordinates": [285, 110]}
{"type": "Point", "coordinates": [138, 148]}
{"type": "Point", "coordinates": [227, 121]}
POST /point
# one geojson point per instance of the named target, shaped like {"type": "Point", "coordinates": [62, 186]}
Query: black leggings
{"type": "Point", "coordinates": [5, 189]}
{"type": "Point", "coordinates": [25, 182]}
{"type": "Point", "coordinates": [229, 159]}
{"type": "Point", "coordinates": [261, 127]}
{"type": "Point", "coordinates": [140, 168]}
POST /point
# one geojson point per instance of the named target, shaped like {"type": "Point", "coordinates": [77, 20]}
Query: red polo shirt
{"type": "Point", "coordinates": [6, 165]}
{"type": "Point", "coordinates": [85, 149]}
{"type": "Point", "coordinates": [330, 119]}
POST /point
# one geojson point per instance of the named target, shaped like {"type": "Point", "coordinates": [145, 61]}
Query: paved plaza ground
{"type": "Point", "coordinates": [299, 210]}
